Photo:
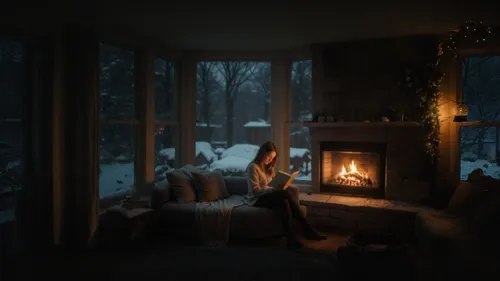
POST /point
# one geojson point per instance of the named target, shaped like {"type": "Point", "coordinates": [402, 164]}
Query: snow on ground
{"type": "Point", "coordinates": [202, 147]}
{"type": "Point", "coordinates": [116, 178]}
{"type": "Point", "coordinates": [219, 150]}
{"type": "Point", "coordinates": [205, 148]}
{"type": "Point", "coordinates": [206, 125]}
{"type": "Point", "coordinates": [298, 152]}
{"type": "Point", "coordinates": [259, 123]}
{"type": "Point", "coordinates": [490, 169]}
{"type": "Point", "coordinates": [230, 164]}
{"type": "Point", "coordinates": [168, 153]}
{"type": "Point", "coordinates": [246, 151]}
{"type": "Point", "coordinates": [304, 178]}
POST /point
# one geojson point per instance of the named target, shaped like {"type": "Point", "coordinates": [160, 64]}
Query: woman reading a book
{"type": "Point", "coordinates": [283, 200]}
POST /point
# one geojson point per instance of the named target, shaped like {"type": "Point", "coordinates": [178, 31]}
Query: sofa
{"type": "Point", "coordinates": [461, 240]}
{"type": "Point", "coordinates": [177, 217]}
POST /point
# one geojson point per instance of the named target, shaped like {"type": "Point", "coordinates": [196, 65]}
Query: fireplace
{"type": "Point", "coordinates": [353, 168]}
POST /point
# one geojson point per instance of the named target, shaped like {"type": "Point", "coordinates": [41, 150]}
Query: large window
{"type": "Point", "coordinates": [479, 139]}
{"type": "Point", "coordinates": [11, 77]}
{"type": "Point", "coordinates": [232, 113]}
{"type": "Point", "coordinates": [301, 110]}
{"type": "Point", "coordinates": [118, 121]}
{"type": "Point", "coordinates": [165, 116]}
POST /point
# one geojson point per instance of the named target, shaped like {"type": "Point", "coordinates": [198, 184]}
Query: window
{"type": "Point", "coordinates": [166, 127]}
{"type": "Point", "coordinates": [11, 78]}
{"type": "Point", "coordinates": [301, 110]}
{"type": "Point", "coordinates": [118, 122]}
{"type": "Point", "coordinates": [479, 139]}
{"type": "Point", "coordinates": [232, 113]}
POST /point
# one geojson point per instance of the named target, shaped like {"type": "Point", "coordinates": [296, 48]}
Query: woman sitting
{"type": "Point", "coordinates": [284, 202]}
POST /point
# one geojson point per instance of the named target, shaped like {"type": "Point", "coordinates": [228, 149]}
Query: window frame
{"type": "Point", "coordinates": [174, 122]}
{"type": "Point", "coordinates": [106, 202]}
{"type": "Point", "coordinates": [281, 67]}
{"type": "Point", "coordinates": [27, 107]}
{"type": "Point", "coordinates": [459, 98]}
{"type": "Point", "coordinates": [290, 124]}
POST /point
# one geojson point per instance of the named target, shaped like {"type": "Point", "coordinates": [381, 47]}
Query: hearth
{"type": "Point", "coordinates": [353, 168]}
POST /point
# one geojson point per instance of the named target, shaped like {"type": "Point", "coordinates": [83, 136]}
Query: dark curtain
{"type": "Point", "coordinates": [80, 191]}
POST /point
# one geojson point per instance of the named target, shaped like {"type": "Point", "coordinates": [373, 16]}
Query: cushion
{"type": "Point", "coordinates": [208, 186]}
{"type": "Point", "coordinates": [438, 231]}
{"type": "Point", "coordinates": [160, 194]}
{"type": "Point", "coordinates": [236, 185]}
{"type": "Point", "coordinates": [466, 199]}
{"type": "Point", "coordinates": [181, 182]}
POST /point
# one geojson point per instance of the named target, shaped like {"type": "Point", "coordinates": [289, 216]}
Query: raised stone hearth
{"type": "Point", "coordinates": [404, 177]}
{"type": "Point", "coordinates": [347, 213]}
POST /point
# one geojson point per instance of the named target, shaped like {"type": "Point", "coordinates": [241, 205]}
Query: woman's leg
{"type": "Point", "coordinates": [278, 201]}
{"type": "Point", "coordinates": [292, 192]}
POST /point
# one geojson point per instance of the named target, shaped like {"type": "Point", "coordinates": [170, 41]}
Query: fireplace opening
{"type": "Point", "coordinates": [356, 169]}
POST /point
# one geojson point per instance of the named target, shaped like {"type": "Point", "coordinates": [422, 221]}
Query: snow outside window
{"type": "Point", "coordinates": [232, 113]}
{"type": "Point", "coordinates": [479, 138]}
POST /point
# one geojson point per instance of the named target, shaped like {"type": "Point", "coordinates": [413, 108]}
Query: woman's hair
{"type": "Point", "coordinates": [265, 148]}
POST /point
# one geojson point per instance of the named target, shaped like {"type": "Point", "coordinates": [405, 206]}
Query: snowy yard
{"type": "Point", "coordinates": [490, 169]}
{"type": "Point", "coordinates": [116, 178]}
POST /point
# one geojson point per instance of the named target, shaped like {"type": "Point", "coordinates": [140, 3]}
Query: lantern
{"type": "Point", "coordinates": [462, 111]}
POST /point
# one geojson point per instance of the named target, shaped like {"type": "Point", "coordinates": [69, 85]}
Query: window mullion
{"type": "Point", "coordinates": [144, 168]}
{"type": "Point", "coordinates": [280, 104]}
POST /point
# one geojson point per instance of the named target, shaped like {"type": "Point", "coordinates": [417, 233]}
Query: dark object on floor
{"type": "Point", "coordinates": [373, 255]}
{"type": "Point", "coordinates": [121, 226]}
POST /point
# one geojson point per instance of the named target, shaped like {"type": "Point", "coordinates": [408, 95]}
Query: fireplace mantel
{"type": "Point", "coordinates": [360, 124]}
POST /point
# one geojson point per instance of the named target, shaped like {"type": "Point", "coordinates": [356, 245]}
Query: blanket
{"type": "Point", "coordinates": [214, 218]}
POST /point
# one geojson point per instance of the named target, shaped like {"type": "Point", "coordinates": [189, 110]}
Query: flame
{"type": "Point", "coordinates": [352, 176]}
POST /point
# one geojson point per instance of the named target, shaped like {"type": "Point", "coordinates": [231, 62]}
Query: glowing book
{"type": "Point", "coordinates": [282, 180]}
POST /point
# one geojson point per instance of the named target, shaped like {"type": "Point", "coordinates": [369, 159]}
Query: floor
{"type": "Point", "coordinates": [170, 260]}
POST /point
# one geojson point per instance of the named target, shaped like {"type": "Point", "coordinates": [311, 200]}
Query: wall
{"type": "Point", "coordinates": [360, 79]}
{"type": "Point", "coordinates": [356, 81]}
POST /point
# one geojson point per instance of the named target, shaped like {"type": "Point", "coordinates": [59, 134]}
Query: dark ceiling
{"type": "Point", "coordinates": [257, 25]}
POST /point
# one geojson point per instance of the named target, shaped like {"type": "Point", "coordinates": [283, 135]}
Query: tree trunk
{"type": "Point", "coordinates": [206, 107]}
{"type": "Point", "coordinates": [229, 120]}
{"type": "Point", "coordinates": [480, 144]}
{"type": "Point", "coordinates": [266, 108]}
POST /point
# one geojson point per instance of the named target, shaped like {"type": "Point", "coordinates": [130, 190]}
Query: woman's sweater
{"type": "Point", "coordinates": [258, 182]}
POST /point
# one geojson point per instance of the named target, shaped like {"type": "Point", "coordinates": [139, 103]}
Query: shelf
{"type": "Point", "coordinates": [359, 124]}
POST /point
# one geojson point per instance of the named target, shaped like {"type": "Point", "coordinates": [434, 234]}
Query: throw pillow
{"type": "Point", "coordinates": [208, 186]}
{"type": "Point", "coordinates": [182, 186]}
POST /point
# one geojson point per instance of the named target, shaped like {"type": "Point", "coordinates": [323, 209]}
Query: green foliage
{"type": "Point", "coordinates": [421, 84]}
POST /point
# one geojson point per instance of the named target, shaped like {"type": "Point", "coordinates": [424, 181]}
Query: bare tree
{"type": "Point", "coordinates": [480, 83]}
{"type": "Point", "coordinates": [262, 79]}
{"type": "Point", "coordinates": [207, 89]}
{"type": "Point", "coordinates": [164, 96]}
{"type": "Point", "coordinates": [234, 75]}
{"type": "Point", "coordinates": [301, 88]}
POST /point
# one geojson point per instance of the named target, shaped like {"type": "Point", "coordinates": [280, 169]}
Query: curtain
{"type": "Point", "coordinates": [80, 191]}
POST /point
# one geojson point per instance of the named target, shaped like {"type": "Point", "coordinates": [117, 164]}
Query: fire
{"type": "Point", "coordinates": [352, 176]}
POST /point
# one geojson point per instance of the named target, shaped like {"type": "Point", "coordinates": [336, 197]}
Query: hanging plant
{"type": "Point", "coordinates": [420, 84]}
{"type": "Point", "coordinates": [429, 103]}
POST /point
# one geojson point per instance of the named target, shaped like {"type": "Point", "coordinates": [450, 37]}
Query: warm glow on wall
{"type": "Point", "coordinates": [461, 113]}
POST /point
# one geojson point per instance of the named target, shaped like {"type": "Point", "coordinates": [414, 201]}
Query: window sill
{"type": "Point", "coordinates": [109, 201]}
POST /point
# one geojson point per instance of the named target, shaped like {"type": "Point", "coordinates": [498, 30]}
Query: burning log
{"type": "Point", "coordinates": [351, 177]}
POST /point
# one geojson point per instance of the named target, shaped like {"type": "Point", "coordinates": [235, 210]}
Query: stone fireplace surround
{"type": "Point", "coordinates": [405, 185]}
{"type": "Point", "coordinates": [405, 162]}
